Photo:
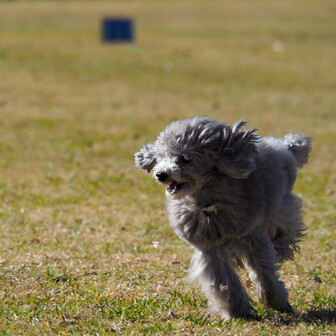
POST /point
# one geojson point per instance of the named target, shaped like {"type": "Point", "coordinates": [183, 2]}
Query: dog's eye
{"type": "Point", "coordinates": [185, 158]}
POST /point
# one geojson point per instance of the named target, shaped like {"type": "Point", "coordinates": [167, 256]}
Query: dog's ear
{"type": "Point", "coordinates": [237, 151]}
{"type": "Point", "coordinates": [145, 159]}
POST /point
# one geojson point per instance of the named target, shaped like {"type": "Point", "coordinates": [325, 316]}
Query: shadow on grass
{"type": "Point", "coordinates": [317, 316]}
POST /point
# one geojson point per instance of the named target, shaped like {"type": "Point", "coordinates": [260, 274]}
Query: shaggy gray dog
{"type": "Point", "coordinates": [229, 195]}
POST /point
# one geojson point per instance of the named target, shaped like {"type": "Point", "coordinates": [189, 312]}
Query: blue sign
{"type": "Point", "coordinates": [117, 30]}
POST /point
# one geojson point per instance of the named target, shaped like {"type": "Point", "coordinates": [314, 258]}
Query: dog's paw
{"type": "Point", "coordinates": [288, 309]}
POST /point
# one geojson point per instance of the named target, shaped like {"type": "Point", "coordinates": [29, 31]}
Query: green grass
{"type": "Point", "coordinates": [86, 247]}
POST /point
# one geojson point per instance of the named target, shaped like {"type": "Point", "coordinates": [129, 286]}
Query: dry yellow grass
{"type": "Point", "coordinates": [85, 244]}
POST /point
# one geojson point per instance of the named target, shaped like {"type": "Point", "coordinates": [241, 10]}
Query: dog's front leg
{"type": "Point", "coordinates": [220, 283]}
{"type": "Point", "coordinates": [259, 254]}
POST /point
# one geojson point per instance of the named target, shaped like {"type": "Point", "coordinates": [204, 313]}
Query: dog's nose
{"type": "Point", "coordinates": [161, 176]}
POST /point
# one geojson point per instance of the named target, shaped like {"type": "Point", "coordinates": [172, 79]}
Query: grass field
{"type": "Point", "coordinates": [85, 244]}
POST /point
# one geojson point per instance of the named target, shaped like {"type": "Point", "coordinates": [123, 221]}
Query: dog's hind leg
{"type": "Point", "coordinates": [259, 254]}
{"type": "Point", "coordinates": [221, 285]}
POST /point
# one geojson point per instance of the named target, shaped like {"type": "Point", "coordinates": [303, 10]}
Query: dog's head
{"type": "Point", "coordinates": [190, 154]}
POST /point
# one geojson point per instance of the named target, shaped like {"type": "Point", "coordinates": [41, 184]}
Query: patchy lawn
{"type": "Point", "coordinates": [86, 247]}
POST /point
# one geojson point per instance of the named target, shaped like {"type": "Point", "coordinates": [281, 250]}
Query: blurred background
{"type": "Point", "coordinates": [74, 109]}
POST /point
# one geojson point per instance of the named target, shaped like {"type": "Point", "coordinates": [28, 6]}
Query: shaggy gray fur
{"type": "Point", "coordinates": [229, 195]}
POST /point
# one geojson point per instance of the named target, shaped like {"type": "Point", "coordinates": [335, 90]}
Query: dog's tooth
{"type": "Point", "coordinates": [171, 189]}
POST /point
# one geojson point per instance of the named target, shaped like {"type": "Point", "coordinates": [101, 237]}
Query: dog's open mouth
{"type": "Point", "coordinates": [175, 187]}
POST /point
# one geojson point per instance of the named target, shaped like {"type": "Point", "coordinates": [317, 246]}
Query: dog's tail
{"type": "Point", "coordinates": [299, 145]}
